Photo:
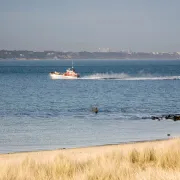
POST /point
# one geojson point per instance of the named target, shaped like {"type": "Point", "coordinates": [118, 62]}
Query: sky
{"type": "Point", "coordinates": [86, 25]}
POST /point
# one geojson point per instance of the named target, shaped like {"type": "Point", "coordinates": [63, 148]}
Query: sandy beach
{"type": "Point", "coordinates": [140, 160]}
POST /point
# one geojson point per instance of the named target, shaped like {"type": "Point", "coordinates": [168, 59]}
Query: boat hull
{"type": "Point", "coordinates": [61, 76]}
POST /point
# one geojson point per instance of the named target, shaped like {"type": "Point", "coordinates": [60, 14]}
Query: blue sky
{"type": "Point", "coordinates": [78, 25]}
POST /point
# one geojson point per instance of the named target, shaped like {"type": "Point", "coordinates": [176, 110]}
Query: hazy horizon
{"type": "Point", "coordinates": [79, 25]}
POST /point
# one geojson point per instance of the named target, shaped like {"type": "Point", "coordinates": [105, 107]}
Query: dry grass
{"type": "Point", "coordinates": [139, 161]}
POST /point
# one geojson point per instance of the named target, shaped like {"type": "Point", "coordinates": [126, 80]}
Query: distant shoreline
{"type": "Point", "coordinates": [124, 55]}
{"type": "Point", "coordinates": [88, 59]}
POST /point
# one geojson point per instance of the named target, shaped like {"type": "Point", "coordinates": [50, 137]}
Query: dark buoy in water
{"type": "Point", "coordinates": [95, 110]}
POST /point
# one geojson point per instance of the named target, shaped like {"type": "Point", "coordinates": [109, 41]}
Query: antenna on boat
{"type": "Point", "coordinates": [72, 64]}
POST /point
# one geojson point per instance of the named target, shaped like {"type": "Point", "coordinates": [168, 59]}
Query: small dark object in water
{"type": "Point", "coordinates": [168, 134]}
{"type": "Point", "coordinates": [95, 110]}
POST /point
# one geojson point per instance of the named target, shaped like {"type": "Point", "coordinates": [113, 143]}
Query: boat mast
{"type": "Point", "coordinates": [72, 64]}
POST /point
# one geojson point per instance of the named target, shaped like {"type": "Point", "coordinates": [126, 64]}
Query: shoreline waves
{"type": "Point", "coordinates": [89, 147]}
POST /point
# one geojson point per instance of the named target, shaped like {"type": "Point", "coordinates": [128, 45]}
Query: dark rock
{"type": "Point", "coordinates": [153, 118]}
{"type": "Point", "coordinates": [156, 118]}
{"type": "Point", "coordinates": [174, 117]}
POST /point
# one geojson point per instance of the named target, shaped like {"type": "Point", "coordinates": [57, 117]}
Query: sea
{"type": "Point", "coordinates": [38, 113]}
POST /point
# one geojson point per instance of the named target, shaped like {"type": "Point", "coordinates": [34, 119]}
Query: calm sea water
{"type": "Point", "coordinates": [39, 113]}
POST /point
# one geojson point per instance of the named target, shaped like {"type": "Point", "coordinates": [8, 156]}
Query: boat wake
{"type": "Point", "coordinates": [124, 76]}
{"type": "Point", "coordinates": [119, 76]}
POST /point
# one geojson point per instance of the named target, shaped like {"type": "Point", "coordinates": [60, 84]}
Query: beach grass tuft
{"type": "Point", "coordinates": [157, 160]}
